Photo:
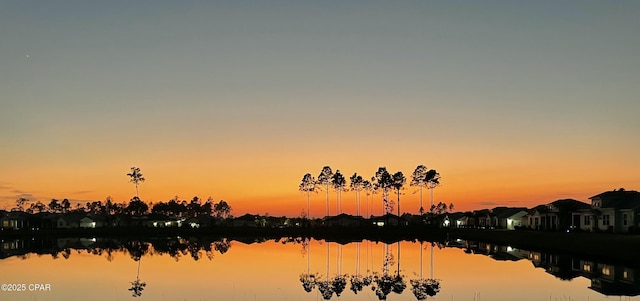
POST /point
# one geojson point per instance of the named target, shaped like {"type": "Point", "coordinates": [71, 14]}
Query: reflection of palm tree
{"type": "Point", "coordinates": [422, 288]}
{"type": "Point", "coordinates": [137, 286]}
{"type": "Point", "coordinates": [357, 281]}
{"type": "Point", "coordinates": [399, 285]}
{"type": "Point", "coordinates": [308, 280]}
{"type": "Point", "coordinates": [384, 283]}
{"type": "Point", "coordinates": [136, 250]}
{"type": "Point", "coordinates": [326, 287]}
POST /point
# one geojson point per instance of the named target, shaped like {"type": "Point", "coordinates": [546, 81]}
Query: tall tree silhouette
{"type": "Point", "coordinates": [356, 185]}
{"type": "Point", "coordinates": [432, 179]}
{"type": "Point", "coordinates": [382, 181]}
{"type": "Point", "coordinates": [20, 204]}
{"type": "Point", "coordinates": [136, 177]}
{"type": "Point", "coordinates": [418, 178]}
{"type": "Point", "coordinates": [308, 185]}
{"type": "Point", "coordinates": [137, 207]}
{"type": "Point", "coordinates": [338, 182]}
{"type": "Point", "coordinates": [368, 188]}
{"type": "Point", "coordinates": [222, 209]}
{"type": "Point", "coordinates": [398, 181]}
{"type": "Point", "coordinates": [324, 178]}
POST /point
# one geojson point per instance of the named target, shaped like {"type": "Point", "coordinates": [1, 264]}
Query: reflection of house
{"type": "Point", "coordinates": [554, 216]}
{"type": "Point", "coordinates": [16, 220]}
{"type": "Point", "coordinates": [344, 220]}
{"type": "Point", "coordinates": [560, 266]}
{"type": "Point", "coordinates": [616, 211]}
{"type": "Point", "coordinates": [615, 281]}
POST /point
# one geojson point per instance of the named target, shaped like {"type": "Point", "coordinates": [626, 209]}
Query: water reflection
{"type": "Point", "coordinates": [606, 278]}
{"type": "Point", "coordinates": [374, 268]}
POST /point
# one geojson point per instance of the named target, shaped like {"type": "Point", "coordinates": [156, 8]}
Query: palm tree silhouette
{"type": "Point", "coordinates": [324, 178]}
{"type": "Point", "coordinates": [382, 180]}
{"type": "Point", "coordinates": [368, 188]}
{"type": "Point", "coordinates": [308, 185]}
{"type": "Point", "coordinates": [397, 183]}
{"type": "Point", "coordinates": [418, 178]}
{"type": "Point", "coordinates": [136, 177]}
{"type": "Point", "coordinates": [338, 182]}
{"type": "Point", "coordinates": [357, 185]}
{"type": "Point", "coordinates": [432, 180]}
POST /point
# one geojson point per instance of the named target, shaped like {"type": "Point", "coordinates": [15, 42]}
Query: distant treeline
{"type": "Point", "coordinates": [173, 207]}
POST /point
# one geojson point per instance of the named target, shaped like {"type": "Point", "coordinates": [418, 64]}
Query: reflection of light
{"type": "Point", "coordinates": [606, 270]}
{"type": "Point", "coordinates": [155, 224]}
{"type": "Point", "coordinates": [93, 224]}
{"type": "Point", "coordinates": [458, 223]}
{"type": "Point", "coordinates": [194, 225]}
{"type": "Point", "coordinates": [509, 221]}
{"type": "Point", "coordinates": [445, 223]}
{"type": "Point", "coordinates": [509, 249]}
{"type": "Point", "coordinates": [94, 239]}
{"type": "Point", "coordinates": [379, 224]}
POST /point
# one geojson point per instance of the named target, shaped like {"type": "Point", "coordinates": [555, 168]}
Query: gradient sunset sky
{"type": "Point", "coordinates": [514, 103]}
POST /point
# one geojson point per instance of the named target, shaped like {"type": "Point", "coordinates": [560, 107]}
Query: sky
{"type": "Point", "coordinates": [514, 104]}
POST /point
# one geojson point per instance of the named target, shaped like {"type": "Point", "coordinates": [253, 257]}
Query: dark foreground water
{"type": "Point", "coordinates": [177, 268]}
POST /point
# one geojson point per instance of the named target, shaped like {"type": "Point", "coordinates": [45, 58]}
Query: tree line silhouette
{"type": "Point", "coordinates": [382, 182]}
{"type": "Point", "coordinates": [173, 207]}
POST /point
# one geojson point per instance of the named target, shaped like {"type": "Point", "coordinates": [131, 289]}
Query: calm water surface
{"type": "Point", "coordinates": [297, 269]}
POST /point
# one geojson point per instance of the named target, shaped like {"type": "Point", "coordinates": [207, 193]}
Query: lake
{"type": "Point", "coordinates": [176, 268]}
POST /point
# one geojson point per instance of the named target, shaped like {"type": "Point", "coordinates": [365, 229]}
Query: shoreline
{"type": "Point", "coordinates": [610, 247]}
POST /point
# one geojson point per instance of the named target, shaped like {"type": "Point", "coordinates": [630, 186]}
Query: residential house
{"type": "Point", "coordinates": [508, 217]}
{"type": "Point", "coordinates": [615, 211]}
{"type": "Point", "coordinates": [388, 220]}
{"type": "Point", "coordinates": [92, 221]}
{"type": "Point", "coordinates": [557, 215]}
{"type": "Point", "coordinates": [16, 220]}
{"type": "Point", "coordinates": [248, 220]}
{"type": "Point", "coordinates": [344, 220]}
{"type": "Point", "coordinates": [69, 220]}
{"type": "Point", "coordinates": [160, 221]}
{"type": "Point", "coordinates": [203, 221]}
{"type": "Point", "coordinates": [483, 218]}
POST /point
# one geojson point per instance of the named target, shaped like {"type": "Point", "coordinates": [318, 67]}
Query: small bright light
{"type": "Point", "coordinates": [93, 224]}
{"type": "Point", "coordinates": [509, 249]}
